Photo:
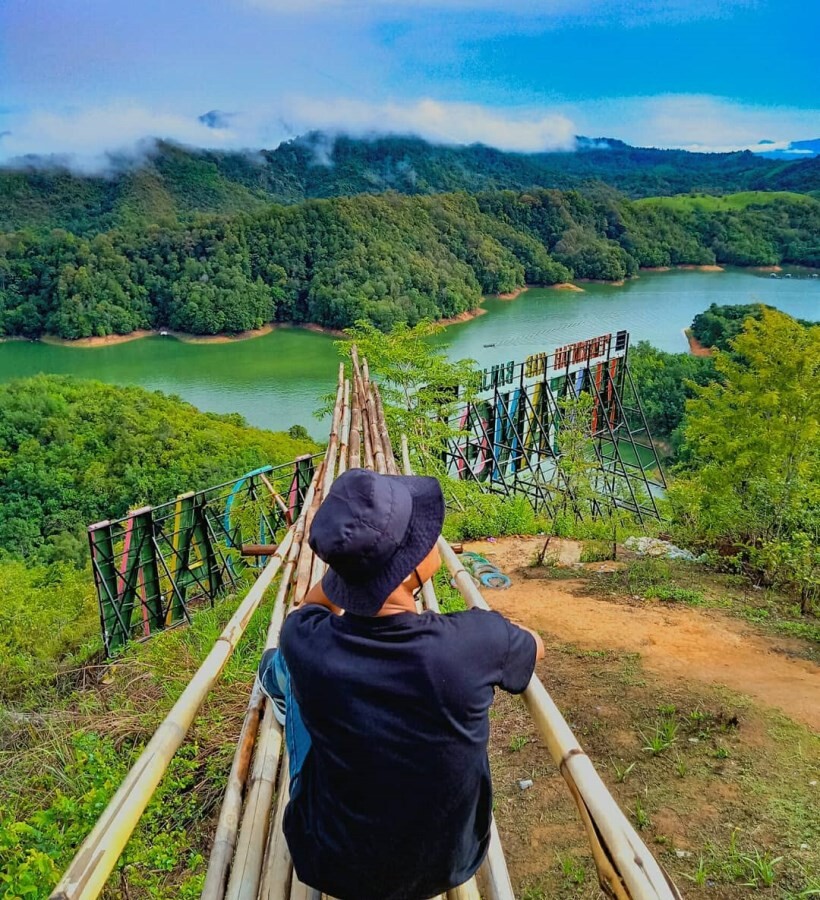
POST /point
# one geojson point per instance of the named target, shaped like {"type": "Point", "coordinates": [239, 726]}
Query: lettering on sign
{"type": "Point", "coordinates": [535, 365]}
{"type": "Point", "coordinates": [498, 376]}
{"type": "Point", "coordinates": [580, 351]}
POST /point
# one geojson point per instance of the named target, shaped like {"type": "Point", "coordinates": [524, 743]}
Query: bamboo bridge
{"type": "Point", "coordinates": [249, 857]}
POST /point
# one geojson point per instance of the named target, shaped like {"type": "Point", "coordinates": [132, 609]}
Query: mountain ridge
{"type": "Point", "coordinates": [174, 182]}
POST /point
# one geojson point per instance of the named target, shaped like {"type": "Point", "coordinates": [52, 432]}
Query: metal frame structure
{"type": "Point", "coordinates": [508, 438]}
{"type": "Point", "coordinates": [157, 563]}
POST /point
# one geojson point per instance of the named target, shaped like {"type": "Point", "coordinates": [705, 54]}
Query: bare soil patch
{"type": "Point", "coordinates": [695, 346]}
{"type": "Point", "coordinates": [737, 783]}
{"type": "Point", "coordinates": [701, 646]}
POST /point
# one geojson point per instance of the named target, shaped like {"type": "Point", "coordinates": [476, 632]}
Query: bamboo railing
{"type": "Point", "coordinates": [249, 857]}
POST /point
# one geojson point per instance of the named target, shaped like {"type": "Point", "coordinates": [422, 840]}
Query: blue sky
{"type": "Point", "coordinates": [81, 77]}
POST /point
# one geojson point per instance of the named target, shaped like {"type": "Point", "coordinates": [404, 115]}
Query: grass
{"type": "Point", "coordinates": [661, 738]}
{"type": "Point", "coordinates": [572, 869]}
{"type": "Point", "coordinates": [449, 599]}
{"type": "Point", "coordinates": [622, 771]}
{"type": "Point", "coordinates": [751, 868]}
{"type": "Point", "coordinates": [596, 551]}
{"type": "Point", "coordinates": [640, 815]}
{"type": "Point", "coordinates": [61, 763]}
{"type": "Point", "coordinates": [711, 203]}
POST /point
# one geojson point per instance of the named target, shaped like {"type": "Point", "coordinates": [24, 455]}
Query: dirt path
{"type": "Point", "coordinates": [673, 642]}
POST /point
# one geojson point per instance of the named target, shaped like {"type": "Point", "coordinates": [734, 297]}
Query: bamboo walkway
{"type": "Point", "coordinates": [249, 857]}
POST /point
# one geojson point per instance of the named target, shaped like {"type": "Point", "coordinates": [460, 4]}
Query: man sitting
{"type": "Point", "coordinates": [386, 708]}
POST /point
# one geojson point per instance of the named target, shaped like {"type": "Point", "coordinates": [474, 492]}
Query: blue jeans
{"type": "Point", "coordinates": [275, 678]}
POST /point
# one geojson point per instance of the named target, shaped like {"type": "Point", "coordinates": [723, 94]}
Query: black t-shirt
{"type": "Point", "coordinates": [394, 799]}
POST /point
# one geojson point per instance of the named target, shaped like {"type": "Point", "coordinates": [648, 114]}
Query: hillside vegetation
{"type": "Point", "coordinates": [387, 259]}
{"type": "Point", "coordinates": [71, 453]}
{"type": "Point", "coordinates": [173, 182]}
{"type": "Point", "coordinates": [713, 202]}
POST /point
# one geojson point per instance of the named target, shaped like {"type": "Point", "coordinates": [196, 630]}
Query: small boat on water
{"type": "Point", "coordinates": [489, 345]}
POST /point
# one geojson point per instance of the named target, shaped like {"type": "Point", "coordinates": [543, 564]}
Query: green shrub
{"type": "Point", "coordinates": [673, 594]}
{"type": "Point", "coordinates": [36, 850]}
{"type": "Point", "coordinates": [48, 620]}
{"type": "Point", "coordinates": [449, 599]}
{"type": "Point", "coordinates": [491, 515]}
{"type": "Point", "coordinates": [596, 551]}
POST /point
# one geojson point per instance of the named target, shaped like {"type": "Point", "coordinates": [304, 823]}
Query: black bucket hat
{"type": "Point", "coordinates": [372, 530]}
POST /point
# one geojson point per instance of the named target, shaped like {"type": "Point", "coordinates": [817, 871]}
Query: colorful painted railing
{"type": "Point", "coordinates": [155, 565]}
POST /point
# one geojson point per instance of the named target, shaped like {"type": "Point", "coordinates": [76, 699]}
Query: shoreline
{"type": "Point", "coordinates": [466, 316]}
{"type": "Point", "coordinates": [619, 283]}
{"type": "Point", "coordinates": [558, 286]}
{"type": "Point", "coordinates": [113, 340]}
{"type": "Point", "coordinates": [695, 346]}
{"type": "Point", "coordinates": [688, 267]}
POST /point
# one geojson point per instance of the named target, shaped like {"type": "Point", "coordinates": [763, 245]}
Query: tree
{"type": "Point", "coordinates": [665, 381]}
{"type": "Point", "coordinates": [420, 386]}
{"type": "Point", "coordinates": [750, 483]}
{"type": "Point", "coordinates": [576, 461]}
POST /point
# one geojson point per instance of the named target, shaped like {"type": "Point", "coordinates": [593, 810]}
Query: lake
{"type": "Point", "coordinates": [277, 380]}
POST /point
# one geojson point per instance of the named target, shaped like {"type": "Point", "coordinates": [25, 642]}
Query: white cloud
{"type": "Point", "coordinates": [84, 139]}
{"type": "Point", "coordinates": [446, 123]}
{"type": "Point", "coordinates": [694, 122]}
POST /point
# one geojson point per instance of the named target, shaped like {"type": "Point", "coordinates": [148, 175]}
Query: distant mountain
{"type": "Point", "coordinates": [173, 182]}
{"type": "Point", "coordinates": [795, 150]}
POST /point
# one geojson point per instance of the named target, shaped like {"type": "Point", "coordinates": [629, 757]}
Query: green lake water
{"type": "Point", "coordinates": [277, 380]}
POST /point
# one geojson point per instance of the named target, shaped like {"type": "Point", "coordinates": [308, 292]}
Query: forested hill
{"type": "Point", "coordinates": [386, 259]}
{"type": "Point", "coordinates": [172, 182]}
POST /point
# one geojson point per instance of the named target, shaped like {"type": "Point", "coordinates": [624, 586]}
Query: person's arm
{"type": "Point", "coordinates": [539, 644]}
{"type": "Point", "coordinates": [318, 596]}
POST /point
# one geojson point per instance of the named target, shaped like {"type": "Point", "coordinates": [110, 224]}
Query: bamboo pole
{"type": "Point", "coordinates": [379, 456]}
{"type": "Point", "coordinates": [367, 443]}
{"type": "Point", "coordinates": [250, 847]}
{"type": "Point", "coordinates": [361, 383]}
{"type": "Point", "coordinates": [228, 824]}
{"type": "Point", "coordinates": [493, 877]}
{"type": "Point", "coordinates": [278, 882]}
{"type": "Point", "coordinates": [355, 453]}
{"type": "Point", "coordinates": [90, 868]}
{"type": "Point", "coordinates": [275, 494]}
{"type": "Point", "coordinates": [380, 417]}
{"type": "Point", "coordinates": [466, 891]}
{"type": "Point", "coordinates": [626, 868]}
{"type": "Point", "coordinates": [299, 891]}
{"type": "Point", "coordinates": [318, 565]}
{"type": "Point", "coordinates": [277, 866]}
{"type": "Point", "coordinates": [246, 871]}
{"type": "Point", "coordinates": [345, 437]}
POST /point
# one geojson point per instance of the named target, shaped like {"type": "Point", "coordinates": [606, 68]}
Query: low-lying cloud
{"type": "Point", "coordinates": [445, 123]}
{"type": "Point", "coordinates": [698, 122]}
{"type": "Point", "coordinates": [87, 140]}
